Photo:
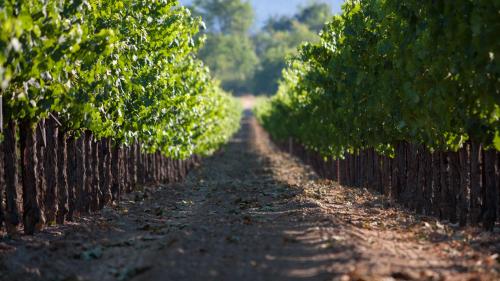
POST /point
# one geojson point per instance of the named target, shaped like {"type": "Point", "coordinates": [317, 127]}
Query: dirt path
{"type": "Point", "coordinates": [253, 213]}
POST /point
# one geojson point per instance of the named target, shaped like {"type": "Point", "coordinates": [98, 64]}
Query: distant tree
{"type": "Point", "coordinates": [282, 23]}
{"type": "Point", "coordinates": [243, 63]}
{"type": "Point", "coordinates": [272, 48]}
{"type": "Point", "coordinates": [280, 37]}
{"type": "Point", "coordinates": [315, 15]}
{"type": "Point", "coordinates": [225, 16]}
{"type": "Point", "coordinates": [232, 60]}
{"type": "Point", "coordinates": [228, 50]}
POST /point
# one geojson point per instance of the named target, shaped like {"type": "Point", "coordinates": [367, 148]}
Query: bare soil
{"type": "Point", "coordinates": [252, 212]}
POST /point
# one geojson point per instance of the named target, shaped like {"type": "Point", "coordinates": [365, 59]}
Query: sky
{"type": "Point", "coordinates": [266, 8]}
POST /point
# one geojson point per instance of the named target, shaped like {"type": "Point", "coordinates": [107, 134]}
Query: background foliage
{"type": "Point", "coordinates": [252, 61]}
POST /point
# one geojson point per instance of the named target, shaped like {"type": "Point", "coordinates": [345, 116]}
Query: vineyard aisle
{"type": "Point", "coordinates": [252, 212]}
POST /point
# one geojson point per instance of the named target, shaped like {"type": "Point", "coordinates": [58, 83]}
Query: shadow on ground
{"type": "Point", "coordinates": [250, 212]}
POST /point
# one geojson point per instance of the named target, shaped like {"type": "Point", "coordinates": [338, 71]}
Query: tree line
{"type": "Point", "coordinates": [247, 59]}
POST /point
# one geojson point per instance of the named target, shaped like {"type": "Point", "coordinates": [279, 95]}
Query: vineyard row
{"type": "Point", "coordinates": [97, 98]}
{"type": "Point", "coordinates": [56, 178]}
{"type": "Point", "coordinates": [462, 187]}
{"type": "Point", "coordinates": [405, 96]}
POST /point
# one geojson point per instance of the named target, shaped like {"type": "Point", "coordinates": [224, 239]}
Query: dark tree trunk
{"type": "Point", "coordinates": [489, 212]}
{"type": "Point", "coordinates": [436, 183]}
{"type": "Point", "coordinates": [41, 144]}
{"type": "Point", "coordinates": [62, 177]}
{"type": "Point", "coordinates": [121, 163]}
{"type": "Point", "coordinates": [419, 179]}
{"type": "Point", "coordinates": [140, 166]}
{"type": "Point", "coordinates": [180, 170]}
{"type": "Point", "coordinates": [115, 169]}
{"type": "Point", "coordinates": [345, 170]}
{"type": "Point", "coordinates": [462, 192]}
{"type": "Point", "coordinates": [147, 166]}
{"type": "Point", "coordinates": [11, 165]}
{"type": "Point", "coordinates": [157, 167]}
{"type": "Point", "coordinates": [183, 169]}
{"type": "Point", "coordinates": [81, 178]}
{"type": "Point", "coordinates": [371, 176]}
{"type": "Point", "coordinates": [175, 170]}
{"type": "Point", "coordinates": [2, 168]}
{"type": "Point", "coordinates": [74, 176]}
{"type": "Point", "coordinates": [102, 172]}
{"type": "Point", "coordinates": [410, 197]}
{"type": "Point", "coordinates": [454, 185]}
{"type": "Point", "coordinates": [169, 170]}
{"type": "Point", "coordinates": [125, 169]}
{"type": "Point", "coordinates": [105, 173]}
{"type": "Point", "coordinates": [132, 167]}
{"type": "Point", "coordinates": [109, 172]}
{"type": "Point", "coordinates": [445, 185]}
{"type": "Point", "coordinates": [152, 167]}
{"type": "Point", "coordinates": [357, 171]}
{"type": "Point", "coordinates": [87, 187]}
{"type": "Point", "coordinates": [395, 187]}
{"type": "Point", "coordinates": [387, 180]}
{"type": "Point", "coordinates": [403, 171]}
{"type": "Point", "coordinates": [428, 175]}
{"type": "Point", "coordinates": [145, 159]}
{"type": "Point", "coordinates": [96, 191]}
{"type": "Point", "coordinates": [51, 154]}
{"type": "Point", "coordinates": [149, 169]}
{"type": "Point", "coordinates": [2, 175]}
{"type": "Point", "coordinates": [32, 214]}
{"type": "Point", "coordinates": [376, 173]}
{"type": "Point", "coordinates": [476, 197]}
{"type": "Point", "coordinates": [161, 168]}
{"type": "Point", "coordinates": [352, 169]}
{"type": "Point", "coordinates": [497, 180]}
